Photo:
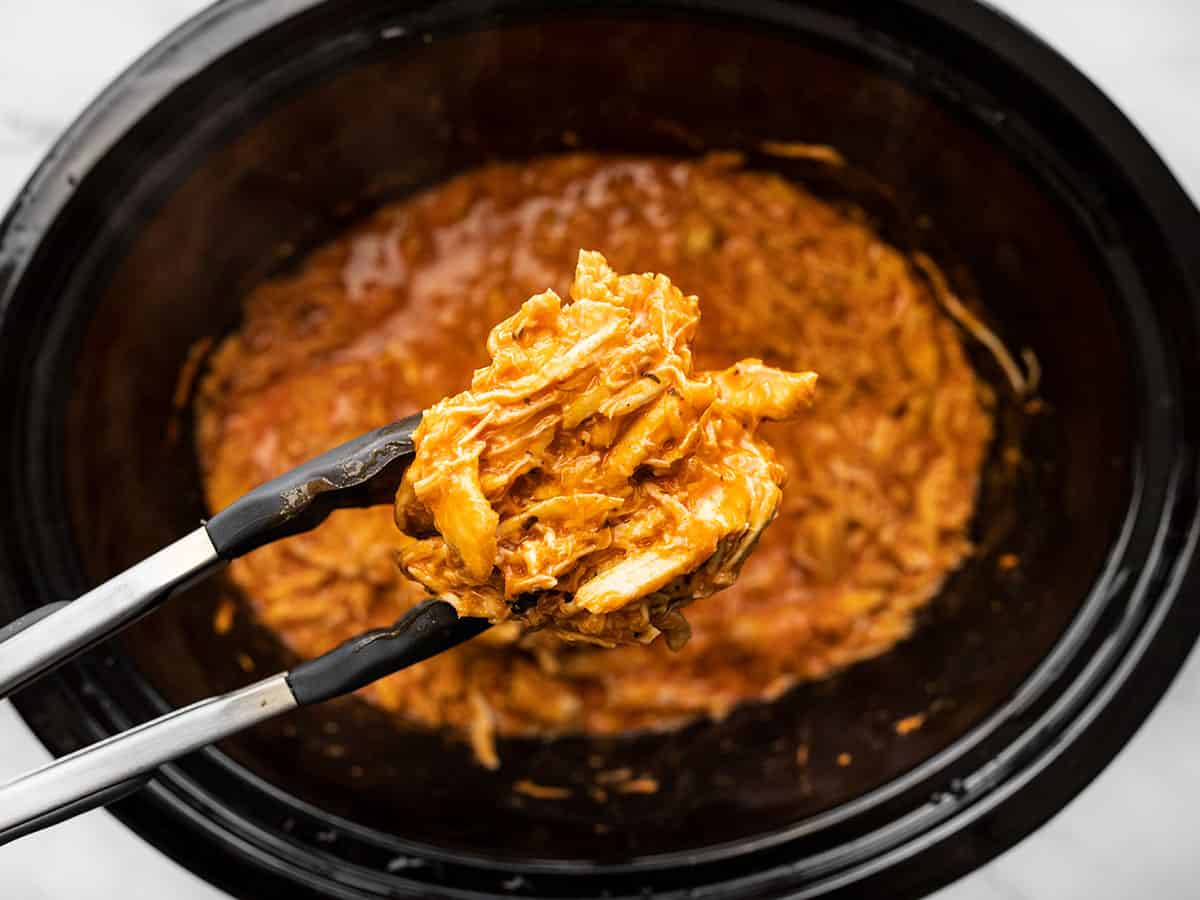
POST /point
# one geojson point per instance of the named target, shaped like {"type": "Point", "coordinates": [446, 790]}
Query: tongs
{"type": "Point", "coordinates": [362, 472]}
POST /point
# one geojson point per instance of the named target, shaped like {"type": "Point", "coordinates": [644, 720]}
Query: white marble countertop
{"type": "Point", "coordinates": [1131, 833]}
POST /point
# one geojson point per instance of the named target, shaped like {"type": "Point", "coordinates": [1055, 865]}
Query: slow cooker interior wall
{"type": "Point", "coordinates": [305, 160]}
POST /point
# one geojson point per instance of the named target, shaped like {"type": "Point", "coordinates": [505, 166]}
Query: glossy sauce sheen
{"type": "Point", "coordinates": [394, 316]}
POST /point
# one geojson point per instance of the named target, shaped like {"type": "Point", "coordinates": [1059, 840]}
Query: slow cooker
{"type": "Point", "coordinates": [261, 127]}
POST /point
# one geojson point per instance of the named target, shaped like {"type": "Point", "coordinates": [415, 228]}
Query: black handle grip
{"type": "Point", "coordinates": [425, 630]}
{"type": "Point", "coordinates": [34, 615]}
{"type": "Point", "coordinates": [363, 472]}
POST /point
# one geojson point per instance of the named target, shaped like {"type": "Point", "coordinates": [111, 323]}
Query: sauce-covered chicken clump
{"type": "Point", "coordinates": [589, 481]}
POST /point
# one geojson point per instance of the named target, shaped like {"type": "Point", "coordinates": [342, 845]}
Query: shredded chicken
{"type": "Point", "coordinates": [394, 315]}
{"type": "Point", "coordinates": [590, 482]}
{"type": "Point", "coordinates": [1024, 384]}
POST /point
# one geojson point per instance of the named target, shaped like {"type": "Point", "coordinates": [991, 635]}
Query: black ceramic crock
{"type": "Point", "coordinates": [261, 127]}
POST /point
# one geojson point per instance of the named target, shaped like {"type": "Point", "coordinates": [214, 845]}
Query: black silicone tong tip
{"type": "Point", "coordinates": [364, 471]}
{"type": "Point", "coordinates": [422, 632]}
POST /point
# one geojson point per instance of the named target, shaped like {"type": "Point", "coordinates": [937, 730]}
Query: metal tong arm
{"type": "Point", "coordinates": [78, 625]}
{"type": "Point", "coordinates": [112, 768]}
{"type": "Point", "coordinates": [362, 472]}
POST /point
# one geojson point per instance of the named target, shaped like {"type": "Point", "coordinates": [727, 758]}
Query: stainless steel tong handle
{"type": "Point", "coordinates": [107, 771]}
{"type": "Point", "coordinates": [112, 768]}
{"type": "Point", "coordinates": [105, 609]}
{"type": "Point", "coordinates": [361, 472]}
